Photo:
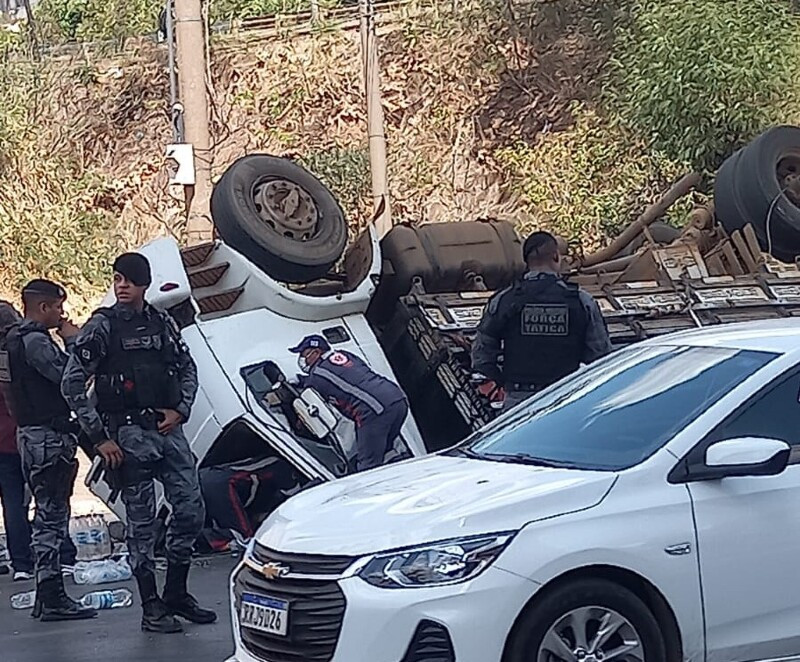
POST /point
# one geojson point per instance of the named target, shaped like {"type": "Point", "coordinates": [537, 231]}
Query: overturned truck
{"type": "Point", "coordinates": [409, 304]}
{"type": "Point", "coordinates": [734, 261]}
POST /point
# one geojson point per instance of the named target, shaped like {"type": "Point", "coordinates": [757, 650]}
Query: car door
{"type": "Point", "coordinates": [748, 538]}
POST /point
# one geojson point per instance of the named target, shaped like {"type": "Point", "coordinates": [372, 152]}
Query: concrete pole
{"type": "Point", "coordinates": [375, 119]}
{"type": "Point", "coordinates": [190, 37]}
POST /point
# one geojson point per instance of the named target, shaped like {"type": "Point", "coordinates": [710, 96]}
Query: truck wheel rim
{"type": "Point", "coordinates": [286, 207]}
{"type": "Point", "coordinates": [591, 634]}
{"type": "Point", "coordinates": [788, 172]}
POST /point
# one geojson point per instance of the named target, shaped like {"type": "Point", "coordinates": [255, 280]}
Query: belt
{"type": "Point", "coordinates": [145, 418]}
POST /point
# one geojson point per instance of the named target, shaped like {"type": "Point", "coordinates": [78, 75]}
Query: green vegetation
{"type": "Point", "coordinates": [99, 20]}
{"type": "Point", "coordinates": [344, 171]}
{"type": "Point", "coordinates": [50, 222]}
{"type": "Point", "coordinates": [587, 182]}
{"type": "Point", "coordinates": [89, 20]}
{"type": "Point", "coordinates": [701, 78]}
{"type": "Point", "coordinates": [575, 114]}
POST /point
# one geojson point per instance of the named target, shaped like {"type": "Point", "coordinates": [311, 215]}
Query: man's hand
{"type": "Point", "coordinates": [171, 419]}
{"type": "Point", "coordinates": [111, 454]}
{"type": "Point", "coordinates": [68, 330]}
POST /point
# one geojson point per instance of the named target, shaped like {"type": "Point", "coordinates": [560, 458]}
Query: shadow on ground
{"type": "Point", "coordinates": [115, 635]}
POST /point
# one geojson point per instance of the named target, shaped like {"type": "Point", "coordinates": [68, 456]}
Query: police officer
{"type": "Point", "coordinates": [145, 383]}
{"type": "Point", "coordinates": [376, 405]}
{"type": "Point", "coordinates": [543, 327]}
{"type": "Point", "coordinates": [45, 437]}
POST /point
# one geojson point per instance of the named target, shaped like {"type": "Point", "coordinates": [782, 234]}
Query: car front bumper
{"type": "Point", "coordinates": [382, 625]}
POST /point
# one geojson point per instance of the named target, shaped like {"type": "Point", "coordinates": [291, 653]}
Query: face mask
{"type": "Point", "coordinates": [303, 364]}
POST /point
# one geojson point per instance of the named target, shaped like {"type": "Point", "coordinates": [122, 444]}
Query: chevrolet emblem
{"type": "Point", "coordinates": [274, 570]}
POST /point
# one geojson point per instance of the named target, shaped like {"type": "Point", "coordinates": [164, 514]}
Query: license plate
{"type": "Point", "coordinates": [259, 612]}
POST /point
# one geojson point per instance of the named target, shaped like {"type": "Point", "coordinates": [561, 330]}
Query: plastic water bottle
{"type": "Point", "coordinates": [91, 537]}
{"type": "Point", "coordinates": [121, 597]}
{"type": "Point", "coordinates": [102, 572]}
{"type": "Point", "coordinates": [23, 600]}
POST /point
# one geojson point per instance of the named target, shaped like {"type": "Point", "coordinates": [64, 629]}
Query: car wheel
{"type": "Point", "coordinates": [587, 620]}
{"type": "Point", "coordinates": [760, 185]}
{"type": "Point", "coordinates": [280, 216]}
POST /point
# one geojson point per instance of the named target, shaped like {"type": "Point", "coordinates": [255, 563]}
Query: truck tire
{"type": "Point", "coordinates": [760, 185]}
{"type": "Point", "coordinates": [280, 216]}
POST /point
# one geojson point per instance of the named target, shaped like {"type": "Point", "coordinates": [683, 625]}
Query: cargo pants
{"type": "Point", "coordinates": [375, 435]}
{"type": "Point", "coordinates": [151, 456]}
{"type": "Point", "coordinates": [50, 468]}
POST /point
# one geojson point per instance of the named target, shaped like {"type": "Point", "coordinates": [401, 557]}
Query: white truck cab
{"type": "Point", "coordinates": [239, 323]}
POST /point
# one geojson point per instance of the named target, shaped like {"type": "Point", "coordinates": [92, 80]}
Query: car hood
{"type": "Point", "coordinates": [432, 498]}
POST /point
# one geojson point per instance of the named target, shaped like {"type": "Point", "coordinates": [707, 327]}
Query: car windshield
{"type": "Point", "coordinates": [619, 411]}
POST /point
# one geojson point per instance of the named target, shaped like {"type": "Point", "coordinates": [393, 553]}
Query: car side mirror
{"type": "Point", "coordinates": [742, 456]}
{"type": "Point", "coordinates": [748, 452]}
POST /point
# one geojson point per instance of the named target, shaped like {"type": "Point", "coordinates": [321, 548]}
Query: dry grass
{"type": "Point", "coordinates": [465, 95]}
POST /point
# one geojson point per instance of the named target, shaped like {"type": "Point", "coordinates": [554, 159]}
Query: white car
{"type": "Point", "coordinates": [645, 508]}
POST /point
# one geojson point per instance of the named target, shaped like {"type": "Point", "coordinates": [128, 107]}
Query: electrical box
{"type": "Point", "coordinates": [183, 155]}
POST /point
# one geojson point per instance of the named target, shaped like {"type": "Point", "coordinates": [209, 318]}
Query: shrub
{"type": "Point", "coordinates": [701, 78]}
{"type": "Point", "coordinates": [589, 181]}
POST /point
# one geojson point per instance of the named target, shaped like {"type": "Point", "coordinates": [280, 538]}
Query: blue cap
{"type": "Point", "coordinates": [311, 342]}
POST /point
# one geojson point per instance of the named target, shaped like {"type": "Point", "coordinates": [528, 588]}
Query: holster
{"type": "Point", "coordinates": [129, 473]}
{"type": "Point", "coordinates": [65, 425]}
{"type": "Point", "coordinates": [59, 479]}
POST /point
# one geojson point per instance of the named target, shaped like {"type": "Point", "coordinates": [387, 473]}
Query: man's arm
{"type": "Point", "coordinates": [44, 356]}
{"type": "Point", "coordinates": [90, 348]}
{"type": "Point", "coordinates": [487, 347]}
{"type": "Point", "coordinates": [187, 368]}
{"type": "Point", "coordinates": [598, 343]}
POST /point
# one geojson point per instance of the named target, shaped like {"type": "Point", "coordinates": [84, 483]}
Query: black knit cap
{"type": "Point", "coordinates": [44, 288]}
{"type": "Point", "coordinates": [135, 267]}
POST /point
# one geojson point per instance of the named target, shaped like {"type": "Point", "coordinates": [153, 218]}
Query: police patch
{"type": "Point", "coordinates": [545, 320]}
{"type": "Point", "coordinates": [87, 352]}
{"type": "Point", "coordinates": [337, 358]}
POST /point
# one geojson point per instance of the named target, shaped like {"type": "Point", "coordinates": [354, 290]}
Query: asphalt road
{"type": "Point", "coordinates": [115, 635]}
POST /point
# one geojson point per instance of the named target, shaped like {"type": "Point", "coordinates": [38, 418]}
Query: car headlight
{"type": "Point", "coordinates": [436, 564]}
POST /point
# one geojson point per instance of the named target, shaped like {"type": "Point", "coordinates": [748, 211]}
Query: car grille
{"type": "Point", "coordinates": [304, 564]}
{"type": "Point", "coordinates": [316, 612]}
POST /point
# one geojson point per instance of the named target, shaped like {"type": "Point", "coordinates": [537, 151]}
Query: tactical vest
{"type": "Point", "coordinates": [544, 331]}
{"type": "Point", "coordinates": [139, 370]}
{"type": "Point", "coordinates": [34, 399]}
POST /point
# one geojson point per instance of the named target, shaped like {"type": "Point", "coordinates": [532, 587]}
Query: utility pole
{"type": "Point", "coordinates": [32, 32]}
{"type": "Point", "coordinates": [191, 56]}
{"type": "Point", "coordinates": [375, 119]}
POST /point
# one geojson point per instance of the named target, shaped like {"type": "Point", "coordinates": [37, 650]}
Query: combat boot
{"type": "Point", "coordinates": [155, 615]}
{"type": "Point", "coordinates": [178, 599]}
{"type": "Point", "coordinates": [53, 603]}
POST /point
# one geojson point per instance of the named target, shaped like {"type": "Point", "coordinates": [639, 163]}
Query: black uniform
{"type": "Point", "coordinates": [545, 328]}
{"type": "Point", "coordinates": [47, 444]}
{"type": "Point", "coordinates": [140, 365]}
{"type": "Point", "coordinates": [46, 438]}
